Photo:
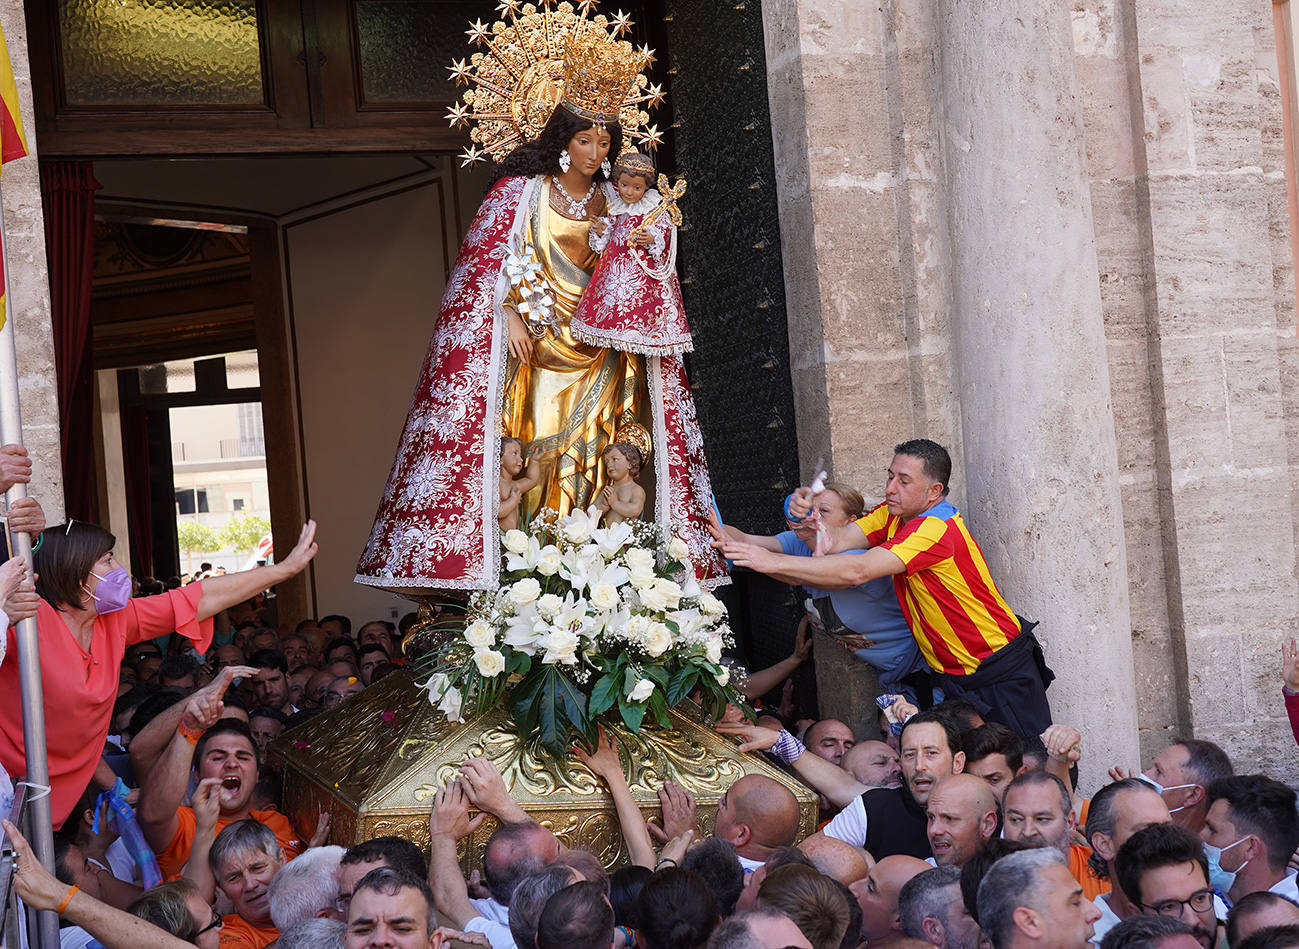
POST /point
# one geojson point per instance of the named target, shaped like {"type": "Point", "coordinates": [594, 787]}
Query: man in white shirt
{"type": "Point", "coordinates": [1250, 830]}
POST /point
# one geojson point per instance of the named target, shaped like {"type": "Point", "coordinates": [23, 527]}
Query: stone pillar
{"type": "Point", "coordinates": [846, 687]}
{"type": "Point", "coordinates": [1040, 463]}
{"type": "Point", "coordinates": [29, 295]}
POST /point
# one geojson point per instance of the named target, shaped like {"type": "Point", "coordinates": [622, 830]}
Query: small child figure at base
{"type": "Point", "coordinates": [622, 499]}
{"type": "Point", "coordinates": [513, 487]}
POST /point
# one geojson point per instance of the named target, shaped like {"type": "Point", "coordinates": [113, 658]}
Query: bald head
{"type": "Point", "coordinates": [961, 814]}
{"type": "Point", "coordinates": [877, 895]}
{"type": "Point", "coordinates": [873, 763]}
{"type": "Point", "coordinates": [835, 858]}
{"type": "Point", "coordinates": [757, 814]}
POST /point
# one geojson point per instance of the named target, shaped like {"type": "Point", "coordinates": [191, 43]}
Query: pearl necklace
{"type": "Point", "coordinates": [576, 208]}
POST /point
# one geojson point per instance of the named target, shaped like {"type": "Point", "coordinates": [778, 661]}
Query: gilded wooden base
{"type": "Point", "coordinates": [376, 761]}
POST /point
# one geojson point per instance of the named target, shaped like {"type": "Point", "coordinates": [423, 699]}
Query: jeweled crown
{"type": "Point", "coordinates": [599, 74]}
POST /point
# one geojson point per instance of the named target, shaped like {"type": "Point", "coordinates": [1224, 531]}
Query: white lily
{"type": "Point", "coordinates": [527, 560]}
{"type": "Point", "coordinates": [610, 539]}
{"type": "Point", "coordinates": [526, 631]}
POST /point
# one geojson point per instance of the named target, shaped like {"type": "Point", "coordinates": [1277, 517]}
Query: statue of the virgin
{"type": "Point", "coordinates": [557, 101]}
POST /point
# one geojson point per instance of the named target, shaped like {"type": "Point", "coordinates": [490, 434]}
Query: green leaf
{"type": "Point", "coordinates": [660, 709]}
{"type": "Point", "coordinates": [633, 713]}
{"type": "Point", "coordinates": [604, 695]}
{"type": "Point", "coordinates": [682, 683]}
{"type": "Point", "coordinates": [518, 664]}
{"type": "Point", "coordinates": [560, 708]}
{"type": "Point", "coordinates": [658, 675]}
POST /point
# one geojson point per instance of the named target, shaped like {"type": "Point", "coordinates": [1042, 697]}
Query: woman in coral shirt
{"type": "Point", "coordinates": [86, 619]}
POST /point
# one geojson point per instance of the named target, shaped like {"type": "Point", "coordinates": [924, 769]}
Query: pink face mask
{"type": "Point", "coordinates": [113, 591]}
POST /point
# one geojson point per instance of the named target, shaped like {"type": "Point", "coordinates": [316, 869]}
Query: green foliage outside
{"type": "Point", "coordinates": [243, 533]}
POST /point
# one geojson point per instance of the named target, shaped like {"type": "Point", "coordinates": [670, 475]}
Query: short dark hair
{"type": "Point", "coordinates": [64, 559]}
{"type": "Point", "coordinates": [372, 647]}
{"type": "Point", "coordinates": [226, 726]}
{"type": "Point", "coordinates": [269, 659]}
{"type": "Point", "coordinates": [578, 916]}
{"type": "Point", "coordinates": [1013, 881]}
{"type": "Point", "coordinates": [396, 852]}
{"type": "Point", "coordinates": [925, 895]}
{"type": "Point", "coordinates": [976, 868]}
{"type": "Point", "coordinates": [624, 889]}
{"type": "Point", "coordinates": [1205, 760]}
{"type": "Point", "coordinates": [339, 642]}
{"type": "Point", "coordinates": [390, 881]}
{"type": "Point", "coordinates": [343, 622]}
{"type": "Point", "coordinates": [962, 713]}
{"type": "Point", "coordinates": [1144, 932]}
{"type": "Point", "coordinates": [676, 910]}
{"type": "Point", "coordinates": [993, 738]}
{"type": "Point", "coordinates": [177, 667]}
{"type": "Point", "coordinates": [265, 711]}
{"type": "Point", "coordinates": [811, 899]}
{"type": "Point", "coordinates": [1102, 818]}
{"type": "Point", "coordinates": [1272, 937]}
{"type": "Point", "coordinates": [933, 717]}
{"type": "Point", "coordinates": [1250, 904]}
{"type": "Point", "coordinates": [715, 861]}
{"type": "Point", "coordinates": [937, 462]}
{"type": "Point", "coordinates": [1261, 806]}
{"type": "Point", "coordinates": [1153, 847]}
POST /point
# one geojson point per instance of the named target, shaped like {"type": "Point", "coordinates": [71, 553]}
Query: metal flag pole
{"type": "Point", "coordinates": [40, 828]}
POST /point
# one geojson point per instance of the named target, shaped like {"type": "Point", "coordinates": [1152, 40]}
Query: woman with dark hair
{"type": "Point", "coordinates": [86, 619]}
{"type": "Point", "coordinates": [676, 910]}
{"type": "Point", "coordinates": [504, 363]}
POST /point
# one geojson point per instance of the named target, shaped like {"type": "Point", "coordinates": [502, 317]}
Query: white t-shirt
{"type": "Point", "coordinates": [490, 909]}
{"type": "Point", "coordinates": [498, 934]}
{"type": "Point", "coordinates": [849, 825]}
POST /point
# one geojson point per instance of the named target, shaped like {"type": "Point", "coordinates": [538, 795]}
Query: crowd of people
{"type": "Point", "coordinates": [951, 821]}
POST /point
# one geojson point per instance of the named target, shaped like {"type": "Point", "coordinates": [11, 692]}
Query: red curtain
{"type": "Point", "coordinates": [68, 199]}
{"type": "Point", "coordinates": [139, 506]}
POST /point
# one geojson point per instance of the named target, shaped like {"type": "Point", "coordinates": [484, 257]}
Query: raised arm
{"type": "Point", "coordinates": [605, 764]}
{"type": "Point", "coordinates": [154, 737]}
{"type": "Point", "coordinates": [833, 572]}
{"type": "Point", "coordinates": [838, 786]}
{"type": "Point", "coordinates": [764, 680]}
{"type": "Point", "coordinates": [207, 811]}
{"type": "Point", "coordinates": [486, 790]}
{"type": "Point", "coordinates": [115, 928]}
{"type": "Point", "coordinates": [716, 528]}
{"type": "Point", "coordinates": [448, 822]}
{"type": "Point", "coordinates": [221, 592]}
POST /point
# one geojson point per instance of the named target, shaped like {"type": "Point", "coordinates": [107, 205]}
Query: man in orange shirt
{"type": "Point", "coordinates": [1037, 810]}
{"type": "Point", "coordinates": [244, 858]}
{"type": "Point", "coordinates": [216, 748]}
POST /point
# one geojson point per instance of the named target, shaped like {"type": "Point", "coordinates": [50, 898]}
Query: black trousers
{"type": "Point", "coordinates": [1009, 686]}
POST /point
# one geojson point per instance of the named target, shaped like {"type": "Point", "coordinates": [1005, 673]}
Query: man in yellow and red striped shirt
{"type": "Point", "coordinates": [963, 626]}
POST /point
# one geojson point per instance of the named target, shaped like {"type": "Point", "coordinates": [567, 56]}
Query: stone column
{"type": "Point", "coordinates": [1040, 464]}
{"type": "Point", "coordinates": [29, 295]}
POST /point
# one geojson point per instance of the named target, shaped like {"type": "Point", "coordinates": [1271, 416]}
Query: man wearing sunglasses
{"type": "Point", "coordinates": [1163, 870]}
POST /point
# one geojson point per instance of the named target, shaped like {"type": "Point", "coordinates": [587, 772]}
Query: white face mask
{"type": "Point", "coordinates": [1161, 789]}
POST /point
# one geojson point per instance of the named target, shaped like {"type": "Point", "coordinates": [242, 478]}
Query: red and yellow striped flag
{"type": "Point", "coordinates": [13, 141]}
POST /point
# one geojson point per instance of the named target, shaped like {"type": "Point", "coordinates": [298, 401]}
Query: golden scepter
{"type": "Point", "coordinates": [671, 194]}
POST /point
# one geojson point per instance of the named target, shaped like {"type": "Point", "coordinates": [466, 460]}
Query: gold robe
{"type": "Point", "coordinates": [570, 401]}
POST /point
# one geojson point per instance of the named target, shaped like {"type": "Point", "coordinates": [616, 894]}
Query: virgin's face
{"type": "Point", "coordinates": [588, 148]}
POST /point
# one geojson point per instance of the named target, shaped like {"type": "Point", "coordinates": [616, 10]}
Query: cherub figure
{"type": "Point", "coordinates": [622, 499]}
{"type": "Point", "coordinates": [513, 487]}
{"type": "Point", "coordinates": [633, 300]}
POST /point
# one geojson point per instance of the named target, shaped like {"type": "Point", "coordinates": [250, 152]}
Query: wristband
{"type": "Point", "coordinates": [67, 898]}
{"type": "Point", "coordinates": [40, 539]}
{"type": "Point", "coordinates": [663, 860]}
{"type": "Point", "coordinates": [629, 934]}
{"type": "Point", "coordinates": [189, 734]}
{"type": "Point", "coordinates": [791, 517]}
{"type": "Point", "coordinates": [788, 748]}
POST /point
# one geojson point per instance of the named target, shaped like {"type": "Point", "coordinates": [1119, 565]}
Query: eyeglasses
{"type": "Point", "coordinates": [217, 923]}
{"type": "Point", "coordinates": [1200, 901]}
{"type": "Point", "coordinates": [343, 902]}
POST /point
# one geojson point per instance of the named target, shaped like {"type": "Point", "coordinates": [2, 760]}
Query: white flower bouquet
{"type": "Point", "coordinates": [589, 623]}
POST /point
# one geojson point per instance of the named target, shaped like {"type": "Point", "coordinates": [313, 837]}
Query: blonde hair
{"type": "Point", "coordinates": [854, 505]}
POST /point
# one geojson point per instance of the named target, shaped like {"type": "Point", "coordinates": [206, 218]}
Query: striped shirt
{"type": "Point", "coordinates": [951, 604]}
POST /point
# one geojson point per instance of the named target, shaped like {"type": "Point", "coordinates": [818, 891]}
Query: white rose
{"type": "Point", "coordinates": [711, 605]}
{"type": "Point", "coordinates": [643, 690]}
{"type": "Point", "coordinates": [549, 606]}
{"type": "Point", "coordinates": [638, 557]}
{"type": "Point", "coordinates": [678, 549]}
{"type": "Point", "coordinates": [561, 647]}
{"type": "Point", "coordinates": [669, 592]}
{"type": "Point", "coordinates": [604, 596]}
{"type": "Point", "coordinates": [652, 599]}
{"type": "Point", "coordinates": [724, 676]}
{"type": "Point", "coordinates": [525, 591]}
{"type": "Point", "coordinates": [448, 699]}
{"type": "Point", "coordinates": [641, 577]}
{"type": "Point", "coordinates": [713, 650]}
{"type": "Point", "coordinates": [490, 662]}
{"type": "Point", "coordinates": [658, 639]}
{"type": "Point", "coordinates": [515, 541]}
{"type": "Point", "coordinates": [575, 533]}
{"type": "Point", "coordinates": [549, 562]}
{"type": "Point", "coordinates": [480, 633]}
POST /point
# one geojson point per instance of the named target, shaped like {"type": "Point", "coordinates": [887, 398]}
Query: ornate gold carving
{"type": "Point", "coordinates": [376, 761]}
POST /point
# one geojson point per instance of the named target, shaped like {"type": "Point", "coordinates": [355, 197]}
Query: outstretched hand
{"type": "Point", "coordinates": [450, 814]}
{"type": "Point", "coordinates": [1290, 665]}
{"type": "Point", "coordinates": [678, 813]}
{"type": "Point", "coordinates": [36, 886]}
{"type": "Point", "coordinates": [603, 762]}
{"type": "Point", "coordinates": [755, 737]}
{"type": "Point", "coordinates": [302, 551]}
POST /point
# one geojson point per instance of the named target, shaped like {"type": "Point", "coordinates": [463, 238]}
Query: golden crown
{"type": "Point", "coordinates": [634, 433]}
{"type": "Point", "coordinates": [535, 59]}
{"type": "Point", "coordinates": [634, 161]}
